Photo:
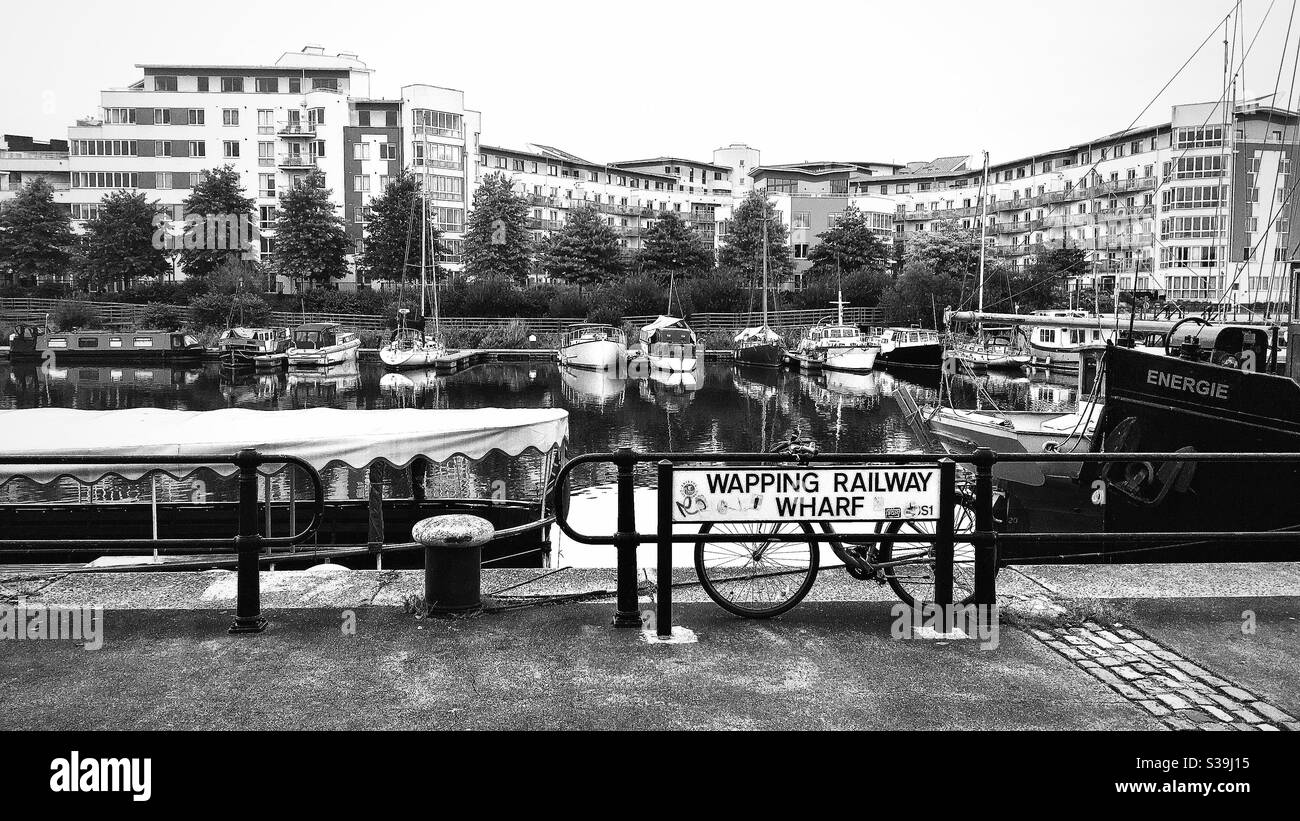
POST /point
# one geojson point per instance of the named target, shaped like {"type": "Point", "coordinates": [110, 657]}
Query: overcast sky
{"type": "Point", "coordinates": [807, 80]}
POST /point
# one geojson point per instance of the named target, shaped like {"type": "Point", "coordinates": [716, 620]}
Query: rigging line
{"type": "Point", "coordinates": [1290, 106]}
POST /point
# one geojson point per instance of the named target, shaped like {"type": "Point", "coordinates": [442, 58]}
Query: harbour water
{"type": "Point", "coordinates": [721, 407]}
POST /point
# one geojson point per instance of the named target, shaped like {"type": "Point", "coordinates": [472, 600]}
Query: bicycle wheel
{"type": "Point", "coordinates": [914, 581]}
{"type": "Point", "coordinates": [756, 579]}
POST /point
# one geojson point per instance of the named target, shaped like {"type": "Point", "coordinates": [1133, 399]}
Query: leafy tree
{"type": "Point", "coordinates": [311, 242]}
{"type": "Point", "coordinates": [920, 295]}
{"type": "Point", "coordinates": [393, 233]}
{"type": "Point", "coordinates": [849, 246]}
{"type": "Point", "coordinates": [497, 242]}
{"type": "Point", "coordinates": [584, 252]}
{"type": "Point", "coordinates": [950, 250]}
{"type": "Point", "coordinates": [224, 310]}
{"type": "Point", "coordinates": [1042, 284]}
{"type": "Point", "coordinates": [743, 250]}
{"type": "Point", "coordinates": [218, 200]}
{"type": "Point", "coordinates": [156, 316]}
{"type": "Point", "coordinates": [671, 245]}
{"type": "Point", "coordinates": [125, 243]}
{"type": "Point", "coordinates": [35, 234]}
{"type": "Point", "coordinates": [235, 276]}
{"type": "Point", "coordinates": [717, 290]}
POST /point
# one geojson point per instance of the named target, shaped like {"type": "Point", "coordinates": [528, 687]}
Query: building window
{"type": "Point", "coordinates": [195, 116]}
{"type": "Point", "coordinates": [267, 85]}
{"type": "Point", "coordinates": [162, 116]}
{"type": "Point", "coordinates": [295, 85]}
{"type": "Point", "coordinates": [266, 185]}
{"type": "Point", "coordinates": [202, 83]}
{"type": "Point", "coordinates": [266, 153]}
{"type": "Point", "coordinates": [388, 151]}
{"type": "Point", "coordinates": [162, 180]}
{"type": "Point", "coordinates": [1200, 137]}
{"type": "Point", "coordinates": [117, 116]}
{"type": "Point", "coordinates": [230, 148]}
{"type": "Point", "coordinates": [265, 121]}
{"type": "Point", "coordinates": [361, 151]}
{"type": "Point", "coordinates": [361, 183]}
{"type": "Point", "coordinates": [164, 82]}
{"type": "Point", "coordinates": [327, 83]}
{"type": "Point", "coordinates": [230, 116]}
{"type": "Point", "coordinates": [266, 215]}
{"type": "Point", "coordinates": [437, 123]}
{"type": "Point", "coordinates": [198, 148]}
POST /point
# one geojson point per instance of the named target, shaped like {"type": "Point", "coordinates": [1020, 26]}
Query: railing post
{"type": "Point", "coordinates": [664, 608]}
{"type": "Point", "coordinates": [248, 604]}
{"type": "Point", "coordinates": [943, 546]}
{"type": "Point", "coordinates": [626, 540]}
{"type": "Point", "coordinates": [986, 557]}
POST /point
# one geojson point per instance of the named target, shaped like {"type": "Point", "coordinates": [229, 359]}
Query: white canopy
{"type": "Point", "coordinates": [762, 332]}
{"type": "Point", "coordinates": [662, 322]}
{"type": "Point", "coordinates": [320, 436]}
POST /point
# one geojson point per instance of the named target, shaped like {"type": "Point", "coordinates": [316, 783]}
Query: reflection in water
{"type": "Point", "coordinates": [591, 389]}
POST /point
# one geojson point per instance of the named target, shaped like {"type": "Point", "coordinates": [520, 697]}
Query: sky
{"type": "Point", "coordinates": [801, 81]}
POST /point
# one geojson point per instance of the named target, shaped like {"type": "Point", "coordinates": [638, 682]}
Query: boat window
{"type": "Point", "coordinates": [143, 342]}
{"type": "Point", "coordinates": [189, 340]}
{"type": "Point", "coordinates": [57, 342]}
{"type": "Point", "coordinates": [115, 342]}
{"type": "Point", "coordinates": [88, 342]}
{"type": "Point", "coordinates": [1047, 334]}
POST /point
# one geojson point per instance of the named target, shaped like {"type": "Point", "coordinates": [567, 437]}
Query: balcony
{"type": "Point", "coordinates": [1125, 213]}
{"type": "Point", "coordinates": [434, 131]}
{"type": "Point", "coordinates": [544, 225]}
{"type": "Point", "coordinates": [1124, 242]}
{"type": "Point", "coordinates": [296, 161]}
{"type": "Point", "coordinates": [301, 131]}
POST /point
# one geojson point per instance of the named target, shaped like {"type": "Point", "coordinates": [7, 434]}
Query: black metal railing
{"type": "Point", "coordinates": [247, 543]}
{"type": "Point", "coordinates": [985, 538]}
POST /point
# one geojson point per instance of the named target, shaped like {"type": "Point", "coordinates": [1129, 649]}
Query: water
{"type": "Point", "coordinates": [721, 408]}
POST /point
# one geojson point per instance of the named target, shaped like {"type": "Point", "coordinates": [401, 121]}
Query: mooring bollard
{"type": "Point", "coordinates": [452, 556]}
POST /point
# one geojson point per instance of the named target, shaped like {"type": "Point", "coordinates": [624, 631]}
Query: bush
{"type": "Point", "coordinates": [157, 316]}
{"type": "Point", "coordinates": [719, 291]}
{"type": "Point", "coordinates": [74, 316]}
{"type": "Point", "coordinates": [512, 335]}
{"type": "Point", "coordinates": [568, 302]}
{"type": "Point", "coordinates": [222, 311]}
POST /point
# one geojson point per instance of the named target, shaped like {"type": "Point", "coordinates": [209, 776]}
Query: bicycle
{"type": "Point", "coordinates": [767, 577]}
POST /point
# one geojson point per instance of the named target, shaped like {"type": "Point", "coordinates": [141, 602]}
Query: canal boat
{"type": "Point", "coordinates": [835, 346]}
{"type": "Point", "coordinates": [908, 347]}
{"type": "Point", "coordinates": [593, 346]}
{"type": "Point", "coordinates": [410, 347]}
{"type": "Point", "coordinates": [321, 344]}
{"type": "Point", "coordinates": [32, 342]}
{"type": "Point", "coordinates": [670, 345]}
{"type": "Point", "coordinates": [383, 471]}
{"type": "Point", "coordinates": [259, 347]}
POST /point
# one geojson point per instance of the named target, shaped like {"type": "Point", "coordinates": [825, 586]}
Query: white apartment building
{"type": "Point", "coordinates": [629, 196]}
{"type": "Point", "coordinates": [23, 160]}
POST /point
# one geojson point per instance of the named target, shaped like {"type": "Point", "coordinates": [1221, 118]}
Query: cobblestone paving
{"type": "Point", "coordinates": [1183, 695]}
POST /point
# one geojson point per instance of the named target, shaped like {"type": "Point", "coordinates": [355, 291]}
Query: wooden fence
{"type": "Point", "coordinates": [30, 309]}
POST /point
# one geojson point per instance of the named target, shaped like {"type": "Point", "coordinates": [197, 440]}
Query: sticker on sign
{"type": "Point", "coordinates": [872, 493]}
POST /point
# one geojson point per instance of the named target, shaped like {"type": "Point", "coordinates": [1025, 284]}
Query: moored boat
{"type": "Point", "coordinates": [670, 345]}
{"type": "Point", "coordinates": [321, 344]}
{"type": "Point", "coordinates": [761, 347]}
{"type": "Point", "coordinates": [262, 347]}
{"type": "Point", "coordinates": [593, 346]}
{"type": "Point", "coordinates": [836, 346]}
{"type": "Point", "coordinates": [31, 342]}
{"type": "Point", "coordinates": [410, 347]}
{"type": "Point", "coordinates": [908, 347]}
{"type": "Point", "coordinates": [991, 349]}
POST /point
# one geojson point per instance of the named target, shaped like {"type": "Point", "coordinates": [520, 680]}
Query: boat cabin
{"type": "Point", "coordinates": [317, 335]}
{"type": "Point", "coordinates": [122, 345]}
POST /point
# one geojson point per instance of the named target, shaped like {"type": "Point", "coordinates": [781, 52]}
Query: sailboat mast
{"type": "Point", "coordinates": [424, 223]}
{"type": "Point", "coordinates": [764, 260]}
{"type": "Point", "coordinates": [984, 213]}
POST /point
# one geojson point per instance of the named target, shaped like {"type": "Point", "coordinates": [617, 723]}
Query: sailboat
{"type": "Point", "coordinates": [991, 348]}
{"type": "Point", "coordinates": [412, 347]}
{"type": "Point", "coordinates": [668, 343]}
{"type": "Point", "coordinates": [761, 345]}
{"type": "Point", "coordinates": [837, 347]}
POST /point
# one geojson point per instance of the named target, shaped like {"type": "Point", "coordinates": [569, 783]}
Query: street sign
{"type": "Point", "coordinates": [867, 493]}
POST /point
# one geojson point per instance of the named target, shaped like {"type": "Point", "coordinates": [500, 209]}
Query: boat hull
{"type": "Point", "coordinates": [762, 356]}
{"type": "Point", "coordinates": [850, 360]}
{"type": "Point", "coordinates": [324, 357]}
{"type": "Point", "coordinates": [594, 355]}
{"type": "Point", "coordinates": [912, 356]}
{"type": "Point", "coordinates": [409, 358]}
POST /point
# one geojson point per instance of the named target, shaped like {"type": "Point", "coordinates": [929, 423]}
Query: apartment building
{"type": "Point", "coordinates": [309, 111]}
{"type": "Point", "coordinates": [23, 159]}
{"type": "Point", "coordinates": [630, 196]}
{"type": "Point", "coordinates": [741, 159]}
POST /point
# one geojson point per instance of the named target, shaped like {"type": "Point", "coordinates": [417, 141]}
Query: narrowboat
{"type": "Point", "coordinates": [31, 342]}
{"type": "Point", "coordinates": [321, 344]}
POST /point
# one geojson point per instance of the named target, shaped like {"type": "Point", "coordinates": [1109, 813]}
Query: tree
{"type": "Point", "coordinates": [949, 250]}
{"type": "Point", "coordinates": [311, 241]}
{"type": "Point", "coordinates": [584, 252]}
{"type": "Point", "coordinates": [124, 243]}
{"type": "Point", "coordinates": [920, 295]}
{"type": "Point", "coordinates": [35, 234]}
{"type": "Point", "coordinates": [743, 249]}
{"type": "Point", "coordinates": [672, 246]}
{"type": "Point", "coordinates": [1042, 284]}
{"type": "Point", "coordinates": [849, 246]}
{"type": "Point", "coordinates": [214, 210]}
{"type": "Point", "coordinates": [497, 242]}
{"type": "Point", "coordinates": [393, 233]}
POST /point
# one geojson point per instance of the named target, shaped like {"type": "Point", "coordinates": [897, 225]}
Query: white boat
{"type": "Point", "coordinates": [411, 347]}
{"type": "Point", "coordinates": [991, 348]}
{"type": "Point", "coordinates": [321, 344]}
{"type": "Point", "coordinates": [1059, 347]}
{"type": "Point", "coordinates": [837, 346]}
{"type": "Point", "coordinates": [670, 346]}
{"type": "Point", "coordinates": [594, 346]}
{"type": "Point", "coordinates": [253, 346]}
{"type": "Point", "coordinates": [1019, 432]}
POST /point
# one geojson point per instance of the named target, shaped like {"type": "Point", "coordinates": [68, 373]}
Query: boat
{"type": "Point", "coordinates": [835, 346]}
{"type": "Point", "coordinates": [32, 342]}
{"type": "Point", "coordinates": [1053, 346]}
{"type": "Point", "coordinates": [908, 347]}
{"type": "Point", "coordinates": [761, 346]}
{"type": "Point", "coordinates": [321, 344]}
{"type": "Point", "coordinates": [990, 349]}
{"type": "Point", "coordinates": [410, 347]}
{"type": "Point", "coordinates": [593, 346]}
{"type": "Point", "coordinates": [260, 347]}
{"type": "Point", "coordinates": [1006, 431]}
{"type": "Point", "coordinates": [382, 470]}
{"type": "Point", "coordinates": [670, 345]}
